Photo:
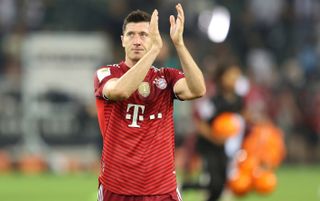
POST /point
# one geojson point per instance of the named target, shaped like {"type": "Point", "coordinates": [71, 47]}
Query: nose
{"type": "Point", "coordinates": [137, 40]}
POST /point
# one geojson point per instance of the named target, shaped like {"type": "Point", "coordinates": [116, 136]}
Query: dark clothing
{"type": "Point", "coordinates": [214, 155]}
{"type": "Point", "coordinates": [223, 105]}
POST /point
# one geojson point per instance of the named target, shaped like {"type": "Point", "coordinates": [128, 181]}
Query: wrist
{"type": "Point", "coordinates": [155, 49]}
{"type": "Point", "coordinates": [179, 45]}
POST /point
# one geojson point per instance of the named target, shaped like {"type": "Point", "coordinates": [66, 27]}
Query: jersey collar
{"type": "Point", "coordinates": [124, 66]}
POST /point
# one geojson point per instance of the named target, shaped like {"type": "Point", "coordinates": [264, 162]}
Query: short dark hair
{"type": "Point", "coordinates": [223, 68]}
{"type": "Point", "coordinates": [136, 16]}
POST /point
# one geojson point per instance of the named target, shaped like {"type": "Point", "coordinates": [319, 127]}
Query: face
{"type": "Point", "coordinates": [136, 41]}
{"type": "Point", "coordinates": [230, 77]}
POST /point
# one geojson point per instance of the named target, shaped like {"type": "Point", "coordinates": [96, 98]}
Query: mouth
{"type": "Point", "coordinates": [137, 50]}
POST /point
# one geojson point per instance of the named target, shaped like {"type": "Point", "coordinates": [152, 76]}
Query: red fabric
{"type": "Point", "coordinates": [138, 135]}
{"type": "Point", "coordinates": [105, 195]}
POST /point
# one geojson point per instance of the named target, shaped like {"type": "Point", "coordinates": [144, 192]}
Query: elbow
{"type": "Point", "coordinates": [198, 94]}
{"type": "Point", "coordinates": [202, 92]}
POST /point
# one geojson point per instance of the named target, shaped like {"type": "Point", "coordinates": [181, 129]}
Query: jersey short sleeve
{"type": "Point", "coordinates": [102, 76]}
{"type": "Point", "coordinates": [173, 75]}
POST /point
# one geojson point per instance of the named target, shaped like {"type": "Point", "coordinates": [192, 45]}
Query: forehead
{"type": "Point", "coordinates": [137, 27]}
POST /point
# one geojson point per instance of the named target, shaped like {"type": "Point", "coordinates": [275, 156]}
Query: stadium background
{"type": "Point", "coordinates": [49, 49]}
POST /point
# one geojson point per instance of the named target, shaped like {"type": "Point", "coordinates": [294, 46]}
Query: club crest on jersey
{"type": "Point", "coordinates": [161, 83]}
{"type": "Point", "coordinates": [144, 89]}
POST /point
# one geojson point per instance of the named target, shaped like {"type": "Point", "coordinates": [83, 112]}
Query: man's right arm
{"type": "Point", "coordinates": [122, 88]}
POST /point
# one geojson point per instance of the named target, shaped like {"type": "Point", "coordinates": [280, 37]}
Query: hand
{"type": "Point", "coordinates": [155, 36]}
{"type": "Point", "coordinates": [177, 26]}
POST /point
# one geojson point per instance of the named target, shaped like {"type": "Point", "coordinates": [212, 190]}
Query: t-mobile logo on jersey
{"type": "Point", "coordinates": [135, 115]}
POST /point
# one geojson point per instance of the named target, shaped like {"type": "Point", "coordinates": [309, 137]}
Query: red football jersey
{"type": "Point", "coordinates": [138, 133]}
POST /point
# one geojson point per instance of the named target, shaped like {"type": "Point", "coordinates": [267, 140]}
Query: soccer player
{"type": "Point", "coordinates": [134, 101]}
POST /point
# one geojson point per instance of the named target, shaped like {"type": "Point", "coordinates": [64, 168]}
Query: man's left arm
{"type": "Point", "coordinates": [193, 85]}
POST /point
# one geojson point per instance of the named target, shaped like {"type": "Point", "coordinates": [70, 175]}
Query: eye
{"type": "Point", "coordinates": [130, 34]}
{"type": "Point", "coordinates": [144, 34]}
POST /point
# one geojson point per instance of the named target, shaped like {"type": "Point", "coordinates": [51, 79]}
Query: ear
{"type": "Point", "coordinates": [122, 40]}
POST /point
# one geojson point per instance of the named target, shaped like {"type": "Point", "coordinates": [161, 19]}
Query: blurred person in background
{"type": "Point", "coordinates": [135, 111]}
{"type": "Point", "coordinates": [213, 146]}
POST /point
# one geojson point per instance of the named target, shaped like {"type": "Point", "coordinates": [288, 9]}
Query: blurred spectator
{"type": "Point", "coordinates": [215, 148]}
{"type": "Point", "coordinates": [8, 14]}
{"type": "Point", "coordinates": [262, 11]}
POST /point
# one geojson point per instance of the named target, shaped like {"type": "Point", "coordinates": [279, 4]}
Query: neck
{"type": "Point", "coordinates": [130, 63]}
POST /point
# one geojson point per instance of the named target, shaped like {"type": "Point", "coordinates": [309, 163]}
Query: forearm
{"type": "Point", "coordinates": [130, 81]}
{"type": "Point", "coordinates": [205, 131]}
{"type": "Point", "coordinates": [123, 87]}
{"type": "Point", "coordinates": [193, 74]}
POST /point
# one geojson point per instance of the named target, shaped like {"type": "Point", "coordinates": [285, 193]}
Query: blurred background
{"type": "Point", "coordinates": [49, 50]}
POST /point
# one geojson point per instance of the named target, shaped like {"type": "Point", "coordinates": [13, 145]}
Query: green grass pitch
{"type": "Point", "coordinates": [295, 183]}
